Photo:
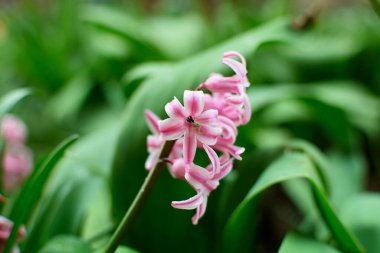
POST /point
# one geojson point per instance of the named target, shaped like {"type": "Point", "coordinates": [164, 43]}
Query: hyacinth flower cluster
{"type": "Point", "coordinates": [207, 120]}
{"type": "Point", "coordinates": [17, 158]}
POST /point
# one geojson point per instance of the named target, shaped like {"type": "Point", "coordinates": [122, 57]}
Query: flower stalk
{"type": "Point", "coordinates": [140, 198]}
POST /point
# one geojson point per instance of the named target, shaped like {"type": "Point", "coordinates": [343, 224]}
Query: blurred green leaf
{"type": "Point", "coordinates": [354, 101]}
{"type": "Point", "coordinates": [294, 242]}
{"type": "Point", "coordinates": [66, 244]}
{"type": "Point", "coordinates": [119, 23]}
{"type": "Point", "coordinates": [61, 212]}
{"type": "Point", "coordinates": [11, 99]}
{"type": "Point", "coordinates": [360, 213]}
{"type": "Point", "coordinates": [67, 102]}
{"type": "Point", "coordinates": [292, 165]}
{"type": "Point", "coordinates": [346, 176]}
{"type": "Point", "coordinates": [73, 199]}
{"type": "Point", "coordinates": [30, 194]}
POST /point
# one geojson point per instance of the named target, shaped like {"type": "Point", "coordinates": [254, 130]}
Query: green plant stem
{"type": "Point", "coordinates": [139, 200]}
{"type": "Point", "coordinates": [376, 6]}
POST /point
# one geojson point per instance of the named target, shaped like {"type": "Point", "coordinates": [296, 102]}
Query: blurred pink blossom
{"type": "Point", "coordinates": [5, 231]}
{"type": "Point", "coordinates": [17, 165]}
{"type": "Point", "coordinates": [17, 158]}
{"type": "Point", "coordinates": [13, 130]}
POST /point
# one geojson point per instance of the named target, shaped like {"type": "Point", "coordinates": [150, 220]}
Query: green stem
{"type": "Point", "coordinates": [139, 200]}
{"type": "Point", "coordinates": [376, 6]}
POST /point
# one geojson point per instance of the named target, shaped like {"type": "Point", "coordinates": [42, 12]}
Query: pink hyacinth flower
{"type": "Point", "coordinates": [154, 141]}
{"type": "Point", "coordinates": [203, 180]}
{"type": "Point", "coordinates": [13, 130]}
{"type": "Point", "coordinates": [5, 231]}
{"type": "Point", "coordinates": [190, 122]}
{"type": "Point", "coordinates": [17, 165]}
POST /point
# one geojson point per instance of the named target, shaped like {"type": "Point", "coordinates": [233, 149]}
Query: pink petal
{"type": "Point", "coordinates": [154, 142]}
{"type": "Point", "coordinates": [208, 134]}
{"type": "Point", "coordinates": [200, 211]}
{"type": "Point", "coordinates": [175, 110]}
{"type": "Point", "coordinates": [229, 128]}
{"type": "Point", "coordinates": [189, 145]}
{"type": "Point", "coordinates": [219, 83]}
{"type": "Point", "coordinates": [207, 117]}
{"type": "Point", "coordinates": [211, 102]}
{"type": "Point", "coordinates": [233, 113]}
{"type": "Point", "coordinates": [190, 203]}
{"type": "Point", "coordinates": [200, 178]}
{"type": "Point", "coordinates": [226, 146]}
{"type": "Point", "coordinates": [238, 67]}
{"type": "Point", "coordinates": [151, 160]}
{"type": "Point", "coordinates": [234, 99]}
{"type": "Point", "coordinates": [152, 120]}
{"type": "Point", "coordinates": [247, 110]}
{"type": "Point", "coordinates": [178, 169]}
{"type": "Point", "coordinates": [225, 168]}
{"type": "Point", "coordinates": [194, 102]}
{"type": "Point", "coordinates": [235, 54]}
{"type": "Point", "coordinates": [213, 158]}
{"type": "Point", "coordinates": [171, 129]}
{"type": "Point", "coordinates": [177, 150]}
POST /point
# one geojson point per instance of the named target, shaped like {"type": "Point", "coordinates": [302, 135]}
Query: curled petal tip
{"type": "Point", "coordinates": [190, 203]}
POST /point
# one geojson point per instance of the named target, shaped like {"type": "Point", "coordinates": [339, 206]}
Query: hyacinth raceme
{"type": "Point", "coordinates": [17, 158]}
{"type": "Point", "coordinates": [207, 121]}
{"type": "Point", "coordinates": [5, 231]}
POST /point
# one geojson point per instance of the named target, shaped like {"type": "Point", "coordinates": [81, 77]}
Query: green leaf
{"type": "Point", "coordinates": [294, 243]}
{"type": "Point", "coordinates": [123, 249]}
{"type": "Point", "coordinates": [73, 201]}
{"type": "Point", "coordinates": [292, 165]}
{"type": "Point", "coordinates": [8, 101]}
{"type": "Point", "coordinates": [66, 244]}
{"type": "Point", "coordinates": [61, 212]}
{"type": "Point", "coordinates": [32, 190]}
{"type": "Point", "coordinates": [113, 20]}
{"type": "Point", "coordinates": [354, 103]}
{"type": "Point", "coordinates": [66, 103]}
{"type": "Point", "coordinates": [361, 214]}
{"type": "Point", "coordinates": [128, 167]}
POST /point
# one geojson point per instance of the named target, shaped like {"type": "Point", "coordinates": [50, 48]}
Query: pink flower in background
{"type": "Point", "coordinates": [205, 121]}
{"type": "Point", "coordinates": [17, 158]}
{"type": "Point", "coordinates": [5, 231]}
{"type": "Point", "coordinates": [13, 130]}
{"type": "Point", "coordinates": [17, 165]}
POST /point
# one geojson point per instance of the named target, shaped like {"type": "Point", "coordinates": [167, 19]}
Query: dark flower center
{"type": "Point", "coordinates": [190, 119]}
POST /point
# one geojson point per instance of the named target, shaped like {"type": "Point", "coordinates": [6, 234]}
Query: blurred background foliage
{"type": "Point", "coordinates": [94, 66]}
